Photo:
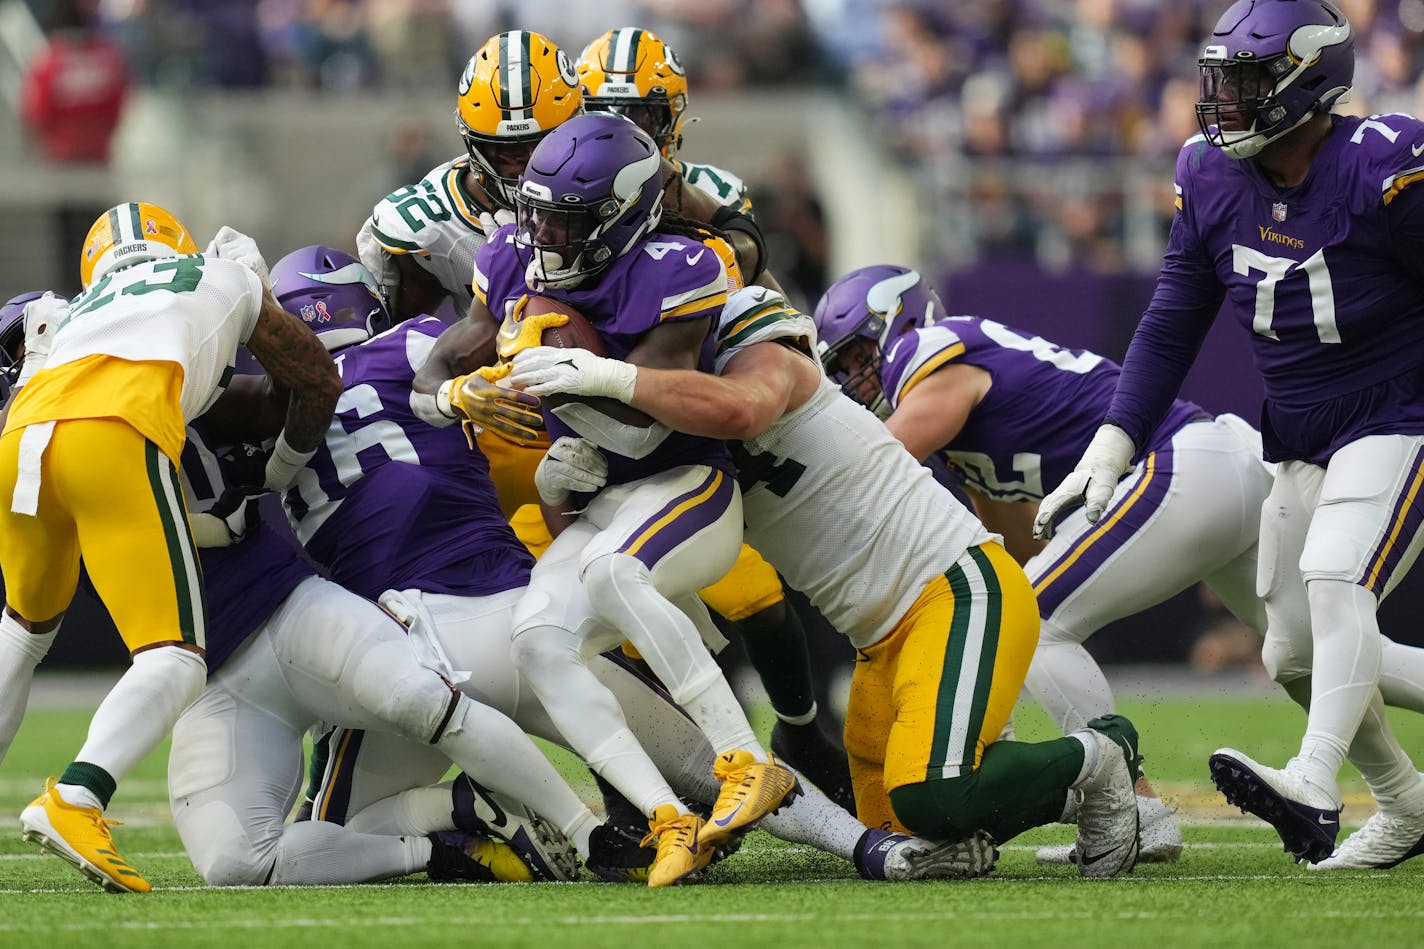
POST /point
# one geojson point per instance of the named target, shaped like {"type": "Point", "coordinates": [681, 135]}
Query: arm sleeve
{"type": "Point", "coordinates": [1166, 342]}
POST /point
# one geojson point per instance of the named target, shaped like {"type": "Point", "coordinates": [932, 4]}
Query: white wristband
{"type": "Point", "coordinates": [284, 463]}
{"type": "Point", "coordinates": [427, 407]}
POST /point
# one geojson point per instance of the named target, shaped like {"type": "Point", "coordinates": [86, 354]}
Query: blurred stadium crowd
{"type": "Point", "coordinates": [975, 98]}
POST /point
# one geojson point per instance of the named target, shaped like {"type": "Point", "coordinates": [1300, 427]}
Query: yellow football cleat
{"type": "Point", "coordinates": [680, 853]}
{"type": "Point", "coordinates": [751, 790]}
{"type": "Point", "coordinates": [80, 836]}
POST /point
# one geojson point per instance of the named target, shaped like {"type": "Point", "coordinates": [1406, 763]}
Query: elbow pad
{"type": "Point", "coordinates": [730, 219]}
{"type": "Point", "coordinates": [630, 441]}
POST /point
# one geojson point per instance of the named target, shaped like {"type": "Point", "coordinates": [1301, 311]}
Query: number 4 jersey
{"type": "Point", "coordinates": [1039, 414]}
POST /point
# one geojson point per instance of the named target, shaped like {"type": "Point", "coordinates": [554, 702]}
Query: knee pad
{"type": "Point", "coordinates": [222, 851]}
{"type": "Point", "coordinates": [414, 701]}
{"type": "Point", "coordinates": [609, 579]}
{"type": "Point", "coordinates": [1283, 660]}
{"type": "Point", "coordinates": [1332, 552]}
{"type": "Point", "coordinates": [182, 672]}
{"type": "Point", "coordinates": [538, 649]}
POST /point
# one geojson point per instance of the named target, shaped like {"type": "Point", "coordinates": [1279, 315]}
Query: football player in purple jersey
{"type": "Point", "coordinates": [668, 523]}
{"type": "Point", "coordinates": [1309, 228]}
{"type": "Point", "coordinates": [12, 341]}
{"type": "Point", "coordinates": [588, 234]}
{"type": "Point", "coordinates": [403, 512]}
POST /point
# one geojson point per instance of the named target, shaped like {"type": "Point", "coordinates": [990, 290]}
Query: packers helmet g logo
{"type": "Point", "coordinates": [566, 68]}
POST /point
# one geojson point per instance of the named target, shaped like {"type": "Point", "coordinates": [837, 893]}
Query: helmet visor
{"type": "Point", "coordinates": [652, 116]}
{"type": "Point", "coordinates": [1232, 94]}
{"type": "Point", "coordinates": [549, 227]}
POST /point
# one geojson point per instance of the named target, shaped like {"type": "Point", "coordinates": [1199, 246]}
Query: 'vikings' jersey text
{"type": "Point", "coordinates": [665, 278]}
{"type": "Point", "coordinates": [1039, 414]}
{"type": "Point", "coordinates": [390, 502]}
{"type": "Point", "coordinates": [1324, 276]}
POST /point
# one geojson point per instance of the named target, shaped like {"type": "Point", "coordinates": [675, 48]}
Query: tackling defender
{"type": "Point", "coordinates": [1310, 227]}
{"type": "Point", "coordinates": [942, 618]}
{"type": "Point", "coordinates": [117, 374]}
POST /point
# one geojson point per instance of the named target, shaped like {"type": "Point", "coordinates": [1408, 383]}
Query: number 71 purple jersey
{"type": "Point", "coordinates": [1325, 276]}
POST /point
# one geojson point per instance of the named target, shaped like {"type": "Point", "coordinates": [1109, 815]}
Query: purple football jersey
{"type": "Point", "coordinates": [1324, 276]}
{"type": "Point", "coordinates": [391, 502]}
{"type": "Point", "coordinates": [666, 278]}
{"type": "Point", "coordinates": [245, 583]}
{"type": "Point", "coordinates": [1041, 411]}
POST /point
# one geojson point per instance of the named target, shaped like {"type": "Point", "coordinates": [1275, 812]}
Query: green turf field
{"type": "Point", "coordinates": [1233, 887]}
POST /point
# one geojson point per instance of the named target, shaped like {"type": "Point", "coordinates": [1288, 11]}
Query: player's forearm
{"type": "Point", "coordinates": [698, 403]}
{"type": "Point", "coordinates": [1163, 349]}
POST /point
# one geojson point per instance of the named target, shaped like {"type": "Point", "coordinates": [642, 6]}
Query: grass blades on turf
{"type": "Point", "coordinates": [1233, 886]}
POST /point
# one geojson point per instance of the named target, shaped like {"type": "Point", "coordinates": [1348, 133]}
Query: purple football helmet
{"type": "Point", "coordinates": [12, 334]}
{"type": "Point", "coordinates": [877, 304]}
{"type": "Point", "coordinates": [333, 293]}
{"type": "Point", "coordinates": [592, 189]}
{"type": "Point", "coordinates": [1269, 66]}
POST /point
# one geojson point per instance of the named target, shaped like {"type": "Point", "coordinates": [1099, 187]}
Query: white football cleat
{"type": "Point", "coordinates": [1386, 840]}
{"type": "Point", "coordinates": [885, 855]}
{"type": "Point", "coordinates": [1306, 816]}
{"type": "Point", "coordinates": [1107, 806]}
{"type": "Point", "coordinates": [1160, 837]}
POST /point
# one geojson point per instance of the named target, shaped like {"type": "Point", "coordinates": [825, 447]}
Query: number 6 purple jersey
{"type": "Point", "coordinates": [391, 502]}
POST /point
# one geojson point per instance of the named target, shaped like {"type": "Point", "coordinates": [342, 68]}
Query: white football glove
{"type": "Point", "coordinates": [546, 370]}
{"type": "Point", "coordinates": [1090, 484]}
{"type": "Point", "coordinates": [42, 316]}
{"type": "Point", "coordinates": [571, 465]}
{"type": "Point", "coordinates": [231, 244]}
{"type": "Point", "coordinates": [377, 260]}
{"type": "Point", "coordinates": [491, 221]}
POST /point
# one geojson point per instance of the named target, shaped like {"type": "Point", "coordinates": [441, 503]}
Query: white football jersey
{"type": "Point", "coordinates": [192, 310]}
{"type": "Point", "coordinates": [720, 183]}
{"type": "Point", "coordinates": [436, 223]}
{"type": "Point", "coordinates": [832, 500]}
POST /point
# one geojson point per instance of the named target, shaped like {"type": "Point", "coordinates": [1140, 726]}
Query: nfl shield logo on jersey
{"type": "Point", "coordinates": [1278, 211]}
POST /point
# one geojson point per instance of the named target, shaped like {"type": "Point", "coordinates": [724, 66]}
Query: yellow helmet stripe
{"type": "Point", "coordinates": [135, 222]}
{"type": "Point", "coordinates": [623, 51]}
{"type": "Point", "coordinates": [114, 225]}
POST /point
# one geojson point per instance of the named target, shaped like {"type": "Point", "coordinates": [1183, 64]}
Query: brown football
{"type": "Point", "coordinates": [578, 333]}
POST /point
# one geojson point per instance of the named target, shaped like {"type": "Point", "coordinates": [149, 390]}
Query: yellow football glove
{"type": "Point", "coordinates": [518, 333]}
{"type": "Point", "coordinates": [485, 405]}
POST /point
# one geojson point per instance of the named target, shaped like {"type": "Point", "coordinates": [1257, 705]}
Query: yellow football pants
{"type": "Point", "coordinates": [106, 494]}
{"type": "Point", "coordinates": [928, 699]}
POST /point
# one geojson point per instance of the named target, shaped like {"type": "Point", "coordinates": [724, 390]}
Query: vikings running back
{"type": "Point", "coordinates": [1307, 225]}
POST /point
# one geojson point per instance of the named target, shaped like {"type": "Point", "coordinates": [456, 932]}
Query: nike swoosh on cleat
{"type": "Point", "coordinates": [1324, 821]}
{"type": "Point", "coordinates": [1089, 859]}
{"type": "Point", "coordinates": [720, 822]}
{"type": "Point", "coordinates": [1417, 149]}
